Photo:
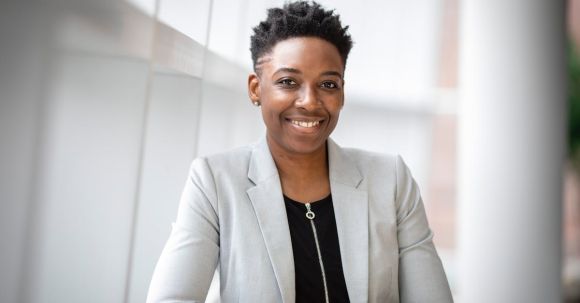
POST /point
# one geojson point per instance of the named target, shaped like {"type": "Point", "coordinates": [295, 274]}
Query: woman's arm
{"type": "Point", "coordinates": [421, 275]}
{"type": "Point", "coordinates": [188, 261]}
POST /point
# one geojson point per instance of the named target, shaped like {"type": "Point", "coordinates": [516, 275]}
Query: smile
{"type": "Point", "coordinates": [306, 124]}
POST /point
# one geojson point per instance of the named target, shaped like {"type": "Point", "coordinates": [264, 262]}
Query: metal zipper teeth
{"type": "Point", "coordinates": [310, 215]}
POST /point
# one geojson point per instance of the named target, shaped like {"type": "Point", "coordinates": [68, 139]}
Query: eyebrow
{"type": "Point", "coordinates": [332, 73]}
{"type": "Point", "coordinates": [296, 71]}
{"type": "Point", "coordinates": [287, 70]}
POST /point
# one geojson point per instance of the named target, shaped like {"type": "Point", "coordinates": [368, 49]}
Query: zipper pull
{"type": "Point", "coordinates": [309, 214]}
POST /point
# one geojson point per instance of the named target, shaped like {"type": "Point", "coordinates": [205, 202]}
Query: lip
{"type": "Point", "coordinates": [302, 129]}
{"type": "Point", "coordinates": [304, 118]}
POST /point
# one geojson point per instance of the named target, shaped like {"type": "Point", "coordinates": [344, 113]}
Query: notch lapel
{"type": "Point", "coordinates": [351, 213]}
{"type": "Point", "coordinates": [270, 210]}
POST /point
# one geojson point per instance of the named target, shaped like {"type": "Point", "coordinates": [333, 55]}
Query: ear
{"type": "Point", "coordinates": [254, 87]}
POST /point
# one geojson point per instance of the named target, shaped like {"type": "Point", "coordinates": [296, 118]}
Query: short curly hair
{"type": "Point", "coordinates": [299, 19]}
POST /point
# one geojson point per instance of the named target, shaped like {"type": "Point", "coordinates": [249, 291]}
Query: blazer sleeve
{"type": "Point", "coordinates": [188, 261]}
{"type": "Point", "coordinates": [421, 274]}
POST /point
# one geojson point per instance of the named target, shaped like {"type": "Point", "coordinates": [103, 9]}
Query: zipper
{"type": "Point", "coordinates": [310, 215]}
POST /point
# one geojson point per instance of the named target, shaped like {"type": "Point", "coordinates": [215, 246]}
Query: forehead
{"type": "Point", "coordinates": [305, 54]}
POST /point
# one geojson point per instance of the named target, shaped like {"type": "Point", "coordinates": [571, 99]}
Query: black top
{"type": "Point", "coordinates": [309, 283]}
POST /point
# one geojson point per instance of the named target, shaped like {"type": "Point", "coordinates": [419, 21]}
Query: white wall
{"type": "Point", "coordinates": [87, 179]}
{"type": "Point", "coordinates": [169, 146]}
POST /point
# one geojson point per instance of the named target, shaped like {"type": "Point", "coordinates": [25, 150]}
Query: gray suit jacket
{"type": "Point", "coordinates": [232, 213]}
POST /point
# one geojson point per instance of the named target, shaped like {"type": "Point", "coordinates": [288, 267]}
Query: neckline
{"type": "Point", "coordinates": [320, 202]}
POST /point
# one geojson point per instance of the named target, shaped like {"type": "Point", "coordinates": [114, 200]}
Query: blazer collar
{"type": "Point", "coordinates": [350, 210]}
{"type": "Point", "coordinates": [351, 214]}
{"type": "Point", "coordinates": [342, 168]}
{"type": "Point", "coordinates": [262, 166]}
{"type": "Point", "coordinates": [268, 203]}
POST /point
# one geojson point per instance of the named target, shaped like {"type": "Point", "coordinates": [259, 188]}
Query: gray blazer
{"type": "Point", "coordinates": [232, 213]}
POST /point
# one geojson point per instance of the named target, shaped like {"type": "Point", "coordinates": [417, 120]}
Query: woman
{"type": "Point", "coordinates": [295, 217]}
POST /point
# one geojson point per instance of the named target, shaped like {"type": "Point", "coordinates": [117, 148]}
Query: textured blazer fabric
{"type": "Point", "coordinates": [232, 213]}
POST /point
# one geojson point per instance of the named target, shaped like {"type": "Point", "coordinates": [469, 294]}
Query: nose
{"type": "Point", "coordinates": [308, 99]}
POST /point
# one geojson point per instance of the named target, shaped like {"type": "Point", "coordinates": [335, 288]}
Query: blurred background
{"type": "Point", "coordinates": [104, 103]}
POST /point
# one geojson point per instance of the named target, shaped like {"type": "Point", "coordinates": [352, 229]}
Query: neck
{"type": "Point", "coordinates": [304, 177]}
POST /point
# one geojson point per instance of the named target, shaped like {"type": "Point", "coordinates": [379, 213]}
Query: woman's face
{"type": "Point", "coordinates": [300, 88]}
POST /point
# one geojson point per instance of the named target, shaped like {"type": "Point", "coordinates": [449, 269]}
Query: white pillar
{"type": "Point", "coordinates": [511, 150]}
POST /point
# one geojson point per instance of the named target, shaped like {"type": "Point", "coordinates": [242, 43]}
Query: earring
{"type": "Point", "coordinates": [257, 103]}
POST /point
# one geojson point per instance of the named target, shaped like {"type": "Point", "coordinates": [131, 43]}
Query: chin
{"type": "Point", "coordinates": [292, 144]}
{"type": "Point", "coordinates": [306, 147]}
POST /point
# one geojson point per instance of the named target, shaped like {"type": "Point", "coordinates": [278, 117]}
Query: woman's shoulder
{"type": "Point", "coordinates": [369, 155]}
{"type": "Point", "coordinates": [371, 159]}
{"type": "Point", "coordinates": [377, 164]}
{"type": "Point", "coordinates": [230, 160]}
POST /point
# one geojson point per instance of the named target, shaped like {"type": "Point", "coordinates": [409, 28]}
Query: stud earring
{"type": "Point", "coordinates": [257, 103]}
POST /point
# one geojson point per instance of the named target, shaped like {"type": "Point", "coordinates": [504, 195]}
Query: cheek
{"type": "Point", "coordinates": [336, 106]}
{"type": "Point", "coordinates": [282, 97]}
{"type": "Point", "coordinates": [271, 116]}
{"type": "Point", "coordinates": [336, 116]}
{"type": "Point", "coordinates": [333, 101]}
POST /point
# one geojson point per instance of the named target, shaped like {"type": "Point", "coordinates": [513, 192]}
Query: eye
{"type": "Point", "coordinates": [329, 85]}
{"type": "Point", "coordinates": [287, 82]}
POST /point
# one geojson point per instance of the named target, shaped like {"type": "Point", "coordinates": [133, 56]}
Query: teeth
{"type": "Point", "coordinates": [305, 123]}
